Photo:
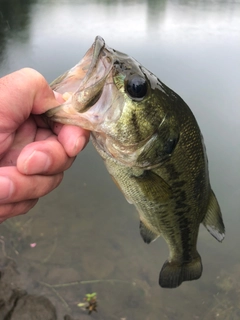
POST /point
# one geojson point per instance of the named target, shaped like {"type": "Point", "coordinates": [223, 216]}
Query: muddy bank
{"type": "Point", "coordinates": [16, 303]}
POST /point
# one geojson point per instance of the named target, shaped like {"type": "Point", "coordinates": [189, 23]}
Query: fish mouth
{"type": "Point", "coordinates": [81, 87]}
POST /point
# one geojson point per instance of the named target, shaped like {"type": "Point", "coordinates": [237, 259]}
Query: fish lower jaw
{"type": "Point", "coordinates": [83, 123]}
{"type": "Point", "coordinates": [104, 146]}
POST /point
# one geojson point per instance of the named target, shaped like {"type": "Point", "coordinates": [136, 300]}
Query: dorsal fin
{"type": "Point", "coordinates": [213, 221]}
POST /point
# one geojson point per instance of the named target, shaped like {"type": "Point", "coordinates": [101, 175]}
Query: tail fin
{"type": "Point", "coordinates": [173, 274]}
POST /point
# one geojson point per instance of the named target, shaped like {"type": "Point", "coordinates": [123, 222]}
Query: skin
{"type": "Point", "coordinates": [33, 154]}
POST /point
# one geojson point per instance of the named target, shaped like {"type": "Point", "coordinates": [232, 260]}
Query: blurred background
{"type": "Point", "coordinates": [84, 236]}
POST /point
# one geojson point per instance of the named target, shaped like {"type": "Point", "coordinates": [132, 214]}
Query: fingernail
{"type": "Point", "coordinates": [58, 96]}
{"type": "Point", "coordinates": [37, 162]}
{"type": "Point", "coordinates": [6, 188]}
{"type": "Point", "coordinates": [79, 145]}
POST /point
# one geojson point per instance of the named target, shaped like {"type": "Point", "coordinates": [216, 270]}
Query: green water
{"type": "Point", "coordinates": [85, 230]}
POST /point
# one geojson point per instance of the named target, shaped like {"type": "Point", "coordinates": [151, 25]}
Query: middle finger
{"type": "Point", "coordinates": [44, 157]}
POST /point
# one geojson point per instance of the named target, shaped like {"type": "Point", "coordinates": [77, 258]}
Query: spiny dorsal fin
{"type": "Point", "coordinates": [213, 221]}
{"type": "Point", "coordinates": [147, 235]}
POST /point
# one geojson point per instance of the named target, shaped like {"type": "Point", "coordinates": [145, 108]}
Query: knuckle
{"type": "Point", "coordinates": [26, 206]}
{"type": "Point", "coordinates": [50, 184]}
{"type": "Point", "coordinates": [7, 210]}
{"type": "Point", "coordinates": [14, 209]}
{"type": "Point", "coordinates": [59, 178]}
{"type": "Point", "coordinates": [34, 75]}
{"type": "Point", "coordinates": [31, 72]}
{"type": "Point", "coordinates": [69, 163]}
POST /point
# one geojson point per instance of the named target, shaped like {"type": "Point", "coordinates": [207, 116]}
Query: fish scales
{"type": "Point", "coordinates": [152, 147]}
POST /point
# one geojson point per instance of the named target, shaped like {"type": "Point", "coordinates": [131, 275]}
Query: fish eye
{"type": "Point", "coordinates": [136, 87]}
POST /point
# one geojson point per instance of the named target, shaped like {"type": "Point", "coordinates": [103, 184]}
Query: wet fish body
{"type": "Point", "coordinates": [152, 147]}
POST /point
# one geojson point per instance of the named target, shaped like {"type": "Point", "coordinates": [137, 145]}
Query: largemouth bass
{"type": "Point", "coordinates": [152, 147]}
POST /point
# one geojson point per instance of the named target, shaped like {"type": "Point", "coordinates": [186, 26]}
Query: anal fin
{"type": "Point", "coordinates": [147, 234]}
{"type": "Point", "coordinates": [213, 221]}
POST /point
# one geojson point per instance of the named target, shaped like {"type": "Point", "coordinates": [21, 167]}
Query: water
{"type": "Point", "coordinates": [85, 230]}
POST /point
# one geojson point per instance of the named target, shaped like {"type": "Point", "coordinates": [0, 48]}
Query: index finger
{"type": "Point", "coordinates": [21, 93]}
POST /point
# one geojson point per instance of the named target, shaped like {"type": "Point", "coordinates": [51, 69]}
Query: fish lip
{"type": "Point", "coordinates": [95, 54]}
{"type": "Point", "coordinates": [98, 46]}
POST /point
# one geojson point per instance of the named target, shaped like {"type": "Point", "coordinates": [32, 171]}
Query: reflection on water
{"type": "Point", "coordinates": [14, 22]}
{"type": "Point", "coordinates": [84, 237]}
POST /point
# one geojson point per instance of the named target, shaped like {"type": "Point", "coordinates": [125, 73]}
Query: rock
{"type": "Point", "coordinates": [34, 308]}
{"type": "Point", "coordinates": [17, 304]}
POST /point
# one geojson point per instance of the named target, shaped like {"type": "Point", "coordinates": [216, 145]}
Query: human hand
{"type": "Point", "coordinates": [33, 156]}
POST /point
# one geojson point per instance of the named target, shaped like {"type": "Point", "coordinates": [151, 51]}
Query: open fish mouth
{"type": "Point", "coordinates": [82, 86]}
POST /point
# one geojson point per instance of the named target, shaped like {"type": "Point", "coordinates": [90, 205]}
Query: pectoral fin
{"type": "Point", "coordinates": [213, 221]}
{"type": "Point", "coordinates": [153, 187]}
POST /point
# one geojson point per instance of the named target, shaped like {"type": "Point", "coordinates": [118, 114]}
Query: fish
{"type": "Point", "coordinates": [152, 147]}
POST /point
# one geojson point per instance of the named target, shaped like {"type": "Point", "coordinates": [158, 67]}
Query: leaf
{"type": "Point", "coordinates": [81, 304]}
